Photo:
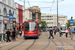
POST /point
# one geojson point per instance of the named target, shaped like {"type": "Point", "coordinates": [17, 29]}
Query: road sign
{"type": "Point", "coordinates": [71, 21]}
{"type": "Point", "coordinates": [11, 16]}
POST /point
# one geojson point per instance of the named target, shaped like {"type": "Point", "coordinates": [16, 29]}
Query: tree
{"type": "Point", "coordinates": [44, 24]}
{"type": "Point", "coordinates": [68, 24]}
{"type": "Point", "coordinates": [74, 24]}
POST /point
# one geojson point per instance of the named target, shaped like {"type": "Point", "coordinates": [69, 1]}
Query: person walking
{"type": "Point", "coordinates": [66, 31]}
{"type": "Point", "coordinates": [51, 34]}
{"type": "Point", "coordinates": [8, 35]}
{"type": "Point", "coordinates": [11, 34]}
{"type": "Point", "coordinates": [14, 32]}
{"type": "Point", "coordinates": [17, 33]}
{"type": "Point", "coordinates": [70, 31]}
{"type": "Point", "coordinates": [20, 32]}
{"type": "Point", "coordinates": [54, 31]}
{"type": "Point", "coordinates": [60, 32]}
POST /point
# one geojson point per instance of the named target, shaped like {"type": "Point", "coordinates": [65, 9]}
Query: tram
{"type": "Point", "coordinates": [72, 28]}
{"type": "Point", "coordinates": [63, 28]}
{"type": "Point", "coordinates": [31, 29]}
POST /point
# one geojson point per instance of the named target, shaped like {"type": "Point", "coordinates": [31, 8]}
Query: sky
{"type": "Point", "coordinates": [65, 7]}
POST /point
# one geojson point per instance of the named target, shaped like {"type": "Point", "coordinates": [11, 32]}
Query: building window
{"type": "Point", "coordinates": [9, 2]}
{"type": "Point", "coordinates": [49, 19]}
{"type": "Point", "coordinates": [30, 14]}
{"type": "Point", "coordinates": [47, 16]}
{"type": "Point", "coordinates": [51, 16]}
{"type": "Point", "coordinates": [49, 22]}
{"type": "Point", "coordinates": [9, 11]}
{"type": "Point", "coordinates": [61, 17]}
{"type": "Point", "coordinates": [13, 12]}
{"type": "Point", "coordinates": [4, 11]}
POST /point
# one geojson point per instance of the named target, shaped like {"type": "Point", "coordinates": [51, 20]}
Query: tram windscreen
{"type": "Point", "coordinates": [63, 27]}
{"type": "Point", "coordinates": [30, 26]}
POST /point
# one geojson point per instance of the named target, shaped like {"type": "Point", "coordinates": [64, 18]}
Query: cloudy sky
{"type": "Point", "coordinates": [65, 7]}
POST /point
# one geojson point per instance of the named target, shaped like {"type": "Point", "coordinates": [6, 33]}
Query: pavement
{"type": "Point", "coordinates": [64, 36]}
{"type": "Point", "coordinates": [43, 43]}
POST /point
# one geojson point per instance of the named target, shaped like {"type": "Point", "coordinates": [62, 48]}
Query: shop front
{"type": "Point", "coordinates": [1, 24]}
{"type": "Point", "coordinates": [1, 27]}
{"type": "Point", "coordinates": [6, 24]}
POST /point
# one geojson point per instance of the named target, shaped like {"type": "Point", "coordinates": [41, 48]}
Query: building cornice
{"type": "Point", "coordinates": [8, 5]}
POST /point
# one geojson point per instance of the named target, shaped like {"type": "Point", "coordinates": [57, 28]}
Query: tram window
{"type": "Point", "coordinates": [26, 26]}
{"type": "Point", "coordinates": [30, 26]}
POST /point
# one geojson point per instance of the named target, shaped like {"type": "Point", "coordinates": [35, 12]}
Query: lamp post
{"type": "Point", "coordinates": [57, 13]}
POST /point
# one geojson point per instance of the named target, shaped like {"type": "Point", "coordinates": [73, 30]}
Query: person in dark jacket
{"type": "Point", "coordinates": [51, 34]}
{"type": "Point", "coordinates": [8, 35]}
{"type": "Point", "coordinates": [14, 34]}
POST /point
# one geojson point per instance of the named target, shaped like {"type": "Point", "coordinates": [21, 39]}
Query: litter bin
{"type": "Point", "coordinates": [0, 37]}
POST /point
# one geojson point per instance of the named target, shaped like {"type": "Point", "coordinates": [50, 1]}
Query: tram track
{"type": "Point", "coordinates": [9, 43]}
{"type": "Point", "coordinates": [61, 43]}
{"type": "Point", "coordinates": [31, 45]}
{"type": "Point", "coordinates": [21, 44]}
{"type": "Point", "coordinates": [6, 42]}
{"type": "Point", "coordinates": [47, 44]}
{"type": "Point", "coordinates": [67, 43]}
{"type": "Point", "coordinates": [40, 43]}
{"type": "Point", "coordinates": [16, 45]}
{"type": "Point", "coordinates": [54, 44]}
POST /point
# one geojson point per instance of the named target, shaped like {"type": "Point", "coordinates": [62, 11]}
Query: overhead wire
{"type": "Point", "coordinates": [52, 6]}
{"type": "Point", "coordinates": [29, 3]}
{"type": "Point", "coordinates": [44, 1]}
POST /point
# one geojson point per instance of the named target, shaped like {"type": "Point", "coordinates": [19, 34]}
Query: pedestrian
{"type": "Point", "coordinates": [55, 31]}
{"type": "Point", "coordinates": [58, 29]}
{"type": "Point", "coordinates": [51, 34]}
{"type": "Point", "coordinates": [8, 35]}
{"type": "Point", "coordinates": [60, 32]}
{"type": "Point", "coordinates": [14, 32]}
{"type": "Point", "coordinates": [11, 34]}
{"type": "Point", "coordinates": [17, 33]}
{"type": "Point", "coordinates": [20, 32]}
{"type": "Point", "coordinates": [70, 31]}
{"type": "Point", "coordinates": [66, 31]}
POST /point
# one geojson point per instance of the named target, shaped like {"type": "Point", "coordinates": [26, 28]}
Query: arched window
{"type": "Point", "coordinates": [13, 12]}
{"type": "Point", "coordinates": [4, 11]}
{"type": "Point", "coordinates": [9, 11]}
